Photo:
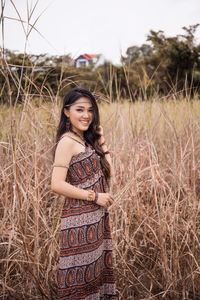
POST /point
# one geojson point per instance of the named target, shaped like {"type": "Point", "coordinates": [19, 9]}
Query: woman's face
{"type": "Point", "coordinates": [80, 114]}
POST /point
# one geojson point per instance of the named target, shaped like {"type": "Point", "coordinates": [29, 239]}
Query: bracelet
{"type": "Point", "coordinates": [106, 152]}
{"type": "Point", "coordinates": [91, 195]}
{"type": "Point", "coordinates": [96, 197]}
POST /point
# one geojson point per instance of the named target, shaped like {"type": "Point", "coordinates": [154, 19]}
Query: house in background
{"type": "Point", "coordinates": [84, 60]}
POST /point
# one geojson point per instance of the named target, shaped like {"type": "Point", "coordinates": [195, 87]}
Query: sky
{"type": "Point", "coordinates": [108, 27]}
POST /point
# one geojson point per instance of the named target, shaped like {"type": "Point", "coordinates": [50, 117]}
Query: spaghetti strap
{"type": "Point", "coordinates": [72, 139]}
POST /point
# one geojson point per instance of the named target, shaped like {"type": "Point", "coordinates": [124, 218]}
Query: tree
{"type": "Point", "coordinates": [135, 52]}
{"type": "Point", "coordinates": [177, 58]}
{"type": "Point", "coordinates": [172, 62]}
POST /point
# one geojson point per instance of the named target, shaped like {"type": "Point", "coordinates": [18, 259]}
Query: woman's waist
{"type": "Point", "coordinates": [96, 184]}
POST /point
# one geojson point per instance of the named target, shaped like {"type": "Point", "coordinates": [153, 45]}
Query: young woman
{"type": "Point", "coordinates": [81, 172]}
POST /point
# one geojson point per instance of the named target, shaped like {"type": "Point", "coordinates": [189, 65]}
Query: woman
{"type": "Point", "coordinates": [81, 172]}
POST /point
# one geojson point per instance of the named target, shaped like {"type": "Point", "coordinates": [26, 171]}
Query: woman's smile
{"type": "Point", "coordinates": [85, 122]}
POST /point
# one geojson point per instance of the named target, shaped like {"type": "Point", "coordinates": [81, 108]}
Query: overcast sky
{"type": "Point", "coordinates": [90, 26]}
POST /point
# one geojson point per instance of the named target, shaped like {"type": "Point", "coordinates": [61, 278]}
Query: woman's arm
{"type": "Point", "coordinates": [63, 155]}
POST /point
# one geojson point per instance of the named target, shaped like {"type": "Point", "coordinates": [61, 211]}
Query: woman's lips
{"type": "Point", "coordinates": [85, 122]}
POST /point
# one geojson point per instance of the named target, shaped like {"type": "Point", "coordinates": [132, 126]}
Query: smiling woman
{"type": "Point", "coordinates": [80, 115]}
{"type": "Point", "coordinates": [81, 173]}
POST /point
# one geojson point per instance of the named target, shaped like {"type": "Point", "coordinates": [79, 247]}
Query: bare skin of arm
{"type": "Point", "coordinates": [66, 148]}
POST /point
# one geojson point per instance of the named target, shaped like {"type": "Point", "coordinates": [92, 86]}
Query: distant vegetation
{"type": "Point", "coordinates": [164, 66]}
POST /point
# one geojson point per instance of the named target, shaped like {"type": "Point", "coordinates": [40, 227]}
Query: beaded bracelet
{"type": "Point", "coordinates": [91, 195]}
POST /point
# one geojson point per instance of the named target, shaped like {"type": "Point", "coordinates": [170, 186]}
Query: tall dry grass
{"type": "Point", "coordinates": [155, 219]}
{"type": "Point", "coordinates": [156, 216]}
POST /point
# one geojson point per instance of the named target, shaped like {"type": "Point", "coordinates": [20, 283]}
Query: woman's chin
{"type": "Point", "coordinates": [84, 127]}
{"type": "Point", "coordinates": [81, 128]}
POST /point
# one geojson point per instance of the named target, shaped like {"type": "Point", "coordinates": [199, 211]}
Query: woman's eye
{"type": "Point", "coordinates": [79, 109]}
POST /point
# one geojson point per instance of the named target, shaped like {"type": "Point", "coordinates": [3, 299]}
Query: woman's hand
{"type": "Point", "coordinates": [105, 199]}
{"type": "Point", "coordinates": [101, 140]}
{"type": "Point", "coordinates": [100, 130]}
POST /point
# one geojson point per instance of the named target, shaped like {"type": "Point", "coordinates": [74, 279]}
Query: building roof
{"type": "Point", "coordinates": [87, 56]}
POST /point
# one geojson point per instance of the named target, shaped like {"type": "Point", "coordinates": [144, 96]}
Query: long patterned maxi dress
{"type": "Point", "coordinates": [85, 265]}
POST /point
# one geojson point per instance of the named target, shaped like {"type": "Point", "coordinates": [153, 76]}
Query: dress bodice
{"type": "Point", "coordinates": [85, 171]}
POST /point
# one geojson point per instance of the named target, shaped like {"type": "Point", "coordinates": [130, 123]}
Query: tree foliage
{"type": "Point", "coordinates": [173, 62]}
{"type": "Point", "coordinates": [162, 65]}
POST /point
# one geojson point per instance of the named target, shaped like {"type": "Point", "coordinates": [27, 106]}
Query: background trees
{"type": "Point", "coordinates": [164, 65]}
{"type": "Point", "coordinates": [172, 62]}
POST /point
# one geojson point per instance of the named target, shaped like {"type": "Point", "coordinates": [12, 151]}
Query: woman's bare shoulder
{"type": "Point", "coordinates": [65, 145]}
{"type": "Point", "coordinates": [65, 139]}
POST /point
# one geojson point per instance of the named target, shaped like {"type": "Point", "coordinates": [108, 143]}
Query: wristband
{"type": "Point", "coordinates": [91, 195]}
{"type": "Point", "coordinates": [96, 197]}
{"type": "Point", "coordinates": [106, 152]}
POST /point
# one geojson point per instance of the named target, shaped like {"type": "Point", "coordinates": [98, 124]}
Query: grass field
{"type": "Point", "coordinates": [155, 219]}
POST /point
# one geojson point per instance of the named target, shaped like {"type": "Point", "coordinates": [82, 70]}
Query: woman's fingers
{"type": "Point", "coordinates": [100, 130]}
{"type": "Point", "coordinates": [105, 199]}
{"type": "Point", "coordinates": [110, 200]}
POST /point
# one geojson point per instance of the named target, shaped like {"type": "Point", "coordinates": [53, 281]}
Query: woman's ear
{"type": "Point", "coordinates": [66, 112]}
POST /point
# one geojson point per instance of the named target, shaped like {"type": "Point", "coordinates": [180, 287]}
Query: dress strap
{"type": "Point", "coordinates": [73, 139]}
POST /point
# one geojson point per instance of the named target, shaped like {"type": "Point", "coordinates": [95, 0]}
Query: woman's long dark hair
{"type": "Point", "coordinates": [91, 135]}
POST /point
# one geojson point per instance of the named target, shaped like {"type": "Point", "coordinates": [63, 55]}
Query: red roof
{"type": "Point", "coordinates": [88, 56]}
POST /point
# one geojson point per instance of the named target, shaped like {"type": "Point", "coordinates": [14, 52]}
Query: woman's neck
{"type": "Point", "coordinates": [78, 133]}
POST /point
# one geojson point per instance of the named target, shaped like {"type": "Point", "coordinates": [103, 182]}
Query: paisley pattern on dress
{"type": "Point", "coordinates": [85, 264]}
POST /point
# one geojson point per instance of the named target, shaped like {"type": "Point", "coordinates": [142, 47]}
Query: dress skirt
{"type": "Point", "coordinates": [85, 264]}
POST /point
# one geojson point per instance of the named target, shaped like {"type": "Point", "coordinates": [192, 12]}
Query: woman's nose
{"type": "Point", "coordinates": [85, 114]}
